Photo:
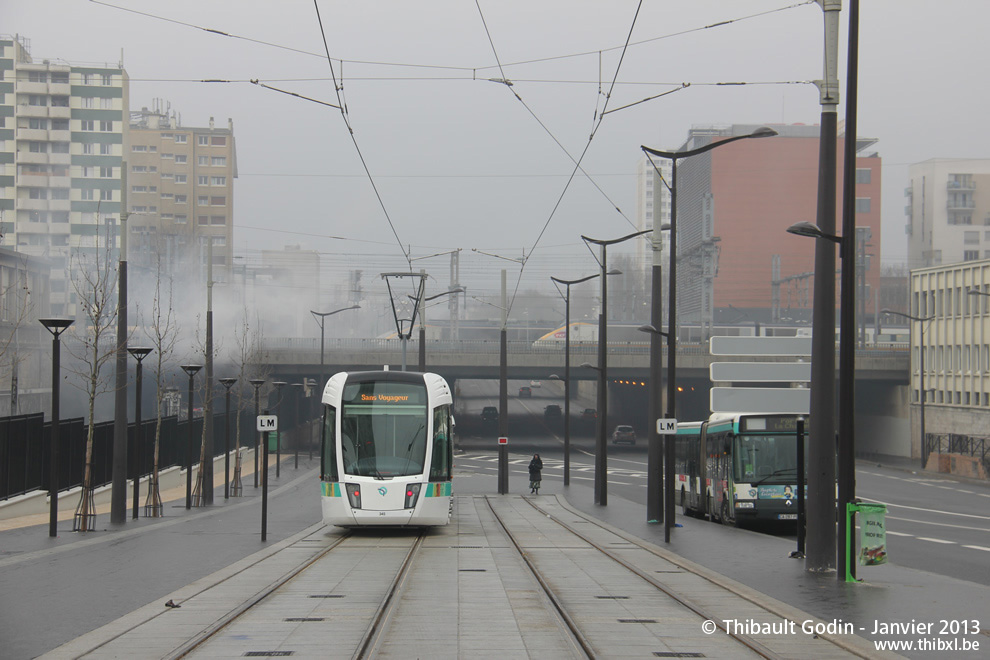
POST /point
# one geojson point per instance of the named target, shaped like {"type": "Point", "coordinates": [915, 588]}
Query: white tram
{"type": "Point", "coordinates": [387, 449]}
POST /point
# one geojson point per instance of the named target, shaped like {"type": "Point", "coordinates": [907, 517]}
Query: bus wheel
{"type": "Point", "coordinates": [724, 513]}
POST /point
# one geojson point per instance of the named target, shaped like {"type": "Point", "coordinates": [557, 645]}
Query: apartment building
{"type": "Point", "coordinates": [955, 337]}
{"type": "Point", "coordinates": [948, 221]}
{"type": "Point", "coordinates": [736, 262]}
{"type": "Point", "coordinates": [180, 194]}
{"type": "Point", "coordinates": [62, 139]}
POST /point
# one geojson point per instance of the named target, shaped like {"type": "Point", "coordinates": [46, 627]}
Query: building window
{"type": "Point", "coordinates": [139, 147]}
{"type": "Point", "coordinates": [219, 161]}
{"type": "Point", "coordinates": [180, 199]}
{"type": "Point", "coordinates": [203, 220]}
{"type": "Point", "coordinates": [38, 147]}
{"type": "Point", "coordinates": [218, 141]}
{"type": "Point", "coordinates": [37, 193]}
{"type": "Point", "coordinates": [37, 123]}
{"type": "Point", "coordinates": [203, 140]}
{"type": "Point", "coordinates": [37, 99]}
{"type": "Point", "coordinates": [86, 193]}
{"type": "Point", "coordinates": [203, 160]}
{"type": "Point", "coordinates": [60, 77]}
{"type": "Point", "coordinates": [180, 218]}
{"type": "Point", "coordinates": [106, 104]}
{"type": "Point", "coordinates": [180, 159]}
{"type": "Point", "coordinates": [139, 168]}
{"type": "Point", "coordinates": [181, 138]}
{"type": "Point", "coordinates": [971, 255]}
{"type": "Point", "coordinates": [86, 125]}
{"type": "Point", "coordinates": [863, 204]}
{"type": "Point", "coordinates": [107, 80]}
{"type": "Point", "coordinates": [203, 180]}
{"type": "Point", "coordinates": [106, 172]}
{"type": "Point", "coordinates": [863, 175]}
{"type": "Point", "coordinates": [202, 200]}
{"type": "Point", "coordinates": [180, 178]}
{"type": "Point", "coordinates": [60, 124]}
{"type": "Point", "coordinates": [971, 238]}
{"type": "Point", "coordinates": [218, 201]}
{"type": "Point", "coordinates": [106, 149]}
{"type": "Point", "coordinates": [37, 76]}
{"type": "Point", "coordinates": [60, 101]}
{"type": "Point", "coordinates": [87, 102]}
{"type": "Point", "coordinates": [218, 181]}
{"type": "Point", "coordinates": [60, 147]}
{"type": "Point", "coordinates": [166, 156]}
{"type": "Point", "coordinates": [106, 126]}
{"type": "Point", "coordinates": [218, 220]}
{"type": "Point", "coordinates": [106, 195]}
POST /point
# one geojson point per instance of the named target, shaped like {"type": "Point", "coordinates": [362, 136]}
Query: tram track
{"type": "Point", "coordinates": [752, 644]}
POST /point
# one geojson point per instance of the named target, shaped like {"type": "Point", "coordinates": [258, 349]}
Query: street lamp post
{"type": "Point", "coordinates": [139, 354]}
{"type": "Point", "coordinates": [226, 382]}
{"type": "Point", "coordinates": [191, 370]}
{"type": "Point", "coordinates": [56, 327]}
{"type": "Point", "coordinates": [921, 361]}
{"type": "Point", "coordinates": [422, 323]}
{"type": "Point", "coordinates": [567, 366]}
{"type": "Point", "coordinates": [674, 156]}
{"type": "Point", "coordinates": [601, 461]}
{"type": "Point", "coordinates": [659, 503]}
{"type": "Point", "coordinates": [298, 395]}
{"type": "Point", "coordinates": [257, 383]}
{"type": "Point", "coordinates": [278, 434]}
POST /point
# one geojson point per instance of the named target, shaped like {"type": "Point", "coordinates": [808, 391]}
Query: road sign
{"type": "Point", "coordinates": [760, 372]}
{"type": "Point", "coordinates": [503, 441]}
{"type": "Point", "coordinates": [783, 400]}
{"type": "Point", "coordinates": [796, 346]}
{"type": "Point", "coordinates": [267, 423]}
{"type": "Point", "coordinates": [666, 426]}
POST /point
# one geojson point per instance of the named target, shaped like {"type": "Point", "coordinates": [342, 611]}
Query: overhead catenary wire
{"type": "Point", "coordinates": [343, 113]}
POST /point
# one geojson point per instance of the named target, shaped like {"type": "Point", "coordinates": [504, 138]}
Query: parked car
{"type": "Point", "coordinates": [552, 411]}
{"type": "Point", "coordinates": [489, 414]}
{"type": "Point", "coordinates": [624, 433]}
{"type": "Point", "coordinates": [535, 384]}
{"type": "Point", "coordinates": [525, 392]}
{"type": "Point", "coordinates": [589, 414]}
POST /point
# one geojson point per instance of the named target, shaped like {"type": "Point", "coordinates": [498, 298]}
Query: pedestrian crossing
{"type": "Point", "coordinates": [552, 464]}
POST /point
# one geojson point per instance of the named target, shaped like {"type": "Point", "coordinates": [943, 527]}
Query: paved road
{"type": "Point", "coordinates": [935, 523]}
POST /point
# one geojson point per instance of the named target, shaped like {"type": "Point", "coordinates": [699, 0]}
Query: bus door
{"type": "Point", "coordinates": [701, 504]}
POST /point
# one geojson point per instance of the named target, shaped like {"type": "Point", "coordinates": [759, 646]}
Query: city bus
{"type": "Point", "coordinates": [738, 468]}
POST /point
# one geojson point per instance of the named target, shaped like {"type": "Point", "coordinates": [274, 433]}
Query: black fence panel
{"type": "Point", "coordinates": [21, 454]}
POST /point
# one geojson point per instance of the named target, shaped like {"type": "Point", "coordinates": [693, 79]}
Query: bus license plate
{"type": "Point", "coordinates": [786, 516]}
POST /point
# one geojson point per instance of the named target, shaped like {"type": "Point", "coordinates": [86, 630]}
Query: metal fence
{"type": "Point", "coordinates": [25, 442]}
{"type": "Point", "coordinates": [952, 443]}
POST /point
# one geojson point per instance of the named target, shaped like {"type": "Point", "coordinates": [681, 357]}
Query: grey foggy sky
{"type": "Point", "coordinates": [458, 160]}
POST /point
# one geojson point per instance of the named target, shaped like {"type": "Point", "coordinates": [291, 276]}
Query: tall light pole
{"type": "Point", "coordinates": [278, 434]}
{"type": "Point", "coordinates": [321, 318]}
{"type": "Point", "coordinates": [191, 370]}
{"type": "Point", "coordinates": [921, 361]}
{"type": "Point", "coordinates": [56, 327]}
{"type": "Point", "coordinates": [256, 383]}
{"type": "Point", "coordinates": [601, 478]}
{"type": "Point", "coordinates": [422, 323]}
{"type": "Point", "coordinates": [567, 365]}
{"type": "Point", "coordinates": [405, 331]}
{"type": "Point", "coordinates": [226, 382]}
{"type": "Point", "coordinates": [298, 395]}
{"type": "Point", "coordinates": [139, 354]}
{"type": "Point", "coordinates": [118, 485]}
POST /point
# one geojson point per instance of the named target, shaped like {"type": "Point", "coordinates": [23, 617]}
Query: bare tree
{"type": "Point", "coordinates": [94, 278]}
{"type": "Point", "coordinates": [163, 332]}
{"type": "Point", "coordinates": [206, 391]}
{"type": "Point", "coordinates": [15, 307]}
{"type": "Point", "coordinates": [248, 354]}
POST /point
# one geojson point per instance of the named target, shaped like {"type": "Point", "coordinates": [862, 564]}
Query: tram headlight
{"type": "Point", "coordinates": [412, 495]}
{"type": "Point", "coordinates": [354, 495]}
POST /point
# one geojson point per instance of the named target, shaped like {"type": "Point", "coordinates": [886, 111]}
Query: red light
{"type": "Point", "coordinates": [409, 493]}
{"type": "Point", "coordinates": [357, 493]}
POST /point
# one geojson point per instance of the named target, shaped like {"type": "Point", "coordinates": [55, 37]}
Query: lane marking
{"type": "Point", "coordinates": [916, 508]}
{"type": "Point", "coordinates": [925, 522]}
{"type": "Point", "coordinates": [925, 538]}
{"type": "Point", "coordinates": [899, 534]}
{"type": "Point", "coordinates": [977, 547]}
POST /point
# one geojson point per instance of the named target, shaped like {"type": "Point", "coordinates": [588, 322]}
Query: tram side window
{"type": "Point", "coordinates": [442, 460]}
{"type": "Point", "coordinates": [328, 458]}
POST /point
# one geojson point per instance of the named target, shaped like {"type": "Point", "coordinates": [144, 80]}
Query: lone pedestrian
{"type": "Point", "coordinates": [535, 474]}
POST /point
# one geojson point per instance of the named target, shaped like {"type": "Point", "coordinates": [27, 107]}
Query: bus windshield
{"type": "Point", "coordinates": [383, 429]}
{"type": "Point", "coordinates": [764, 459]}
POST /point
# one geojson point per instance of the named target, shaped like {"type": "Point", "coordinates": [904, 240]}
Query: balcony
{"type": "Point", "coordinates": [36, 134]}
{"type": "Point", "coordinates": [960, 184]}
{"type": "Point", "coordinates": [960, 205]}
{"type": "Point", "coordinates": [32, 158]}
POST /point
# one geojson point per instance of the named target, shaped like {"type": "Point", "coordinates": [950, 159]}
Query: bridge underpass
{"type": "Point", "coordinates": [882, 418]}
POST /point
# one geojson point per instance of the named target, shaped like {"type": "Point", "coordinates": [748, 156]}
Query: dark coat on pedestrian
{"type": "Point", "coordinates": [535, 468]}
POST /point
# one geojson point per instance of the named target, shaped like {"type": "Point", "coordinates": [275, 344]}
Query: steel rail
{"type": "Point", "coordinates": [572, 626]}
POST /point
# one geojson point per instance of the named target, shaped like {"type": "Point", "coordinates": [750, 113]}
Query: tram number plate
{"type": "Point", "coordinates": [786, 516]}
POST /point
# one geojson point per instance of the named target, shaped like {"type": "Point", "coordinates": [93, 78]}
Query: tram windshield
{"type": "Point", "coordinates": [383, 429]}
{"type": "Point", "coordinates": [764, 459]}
